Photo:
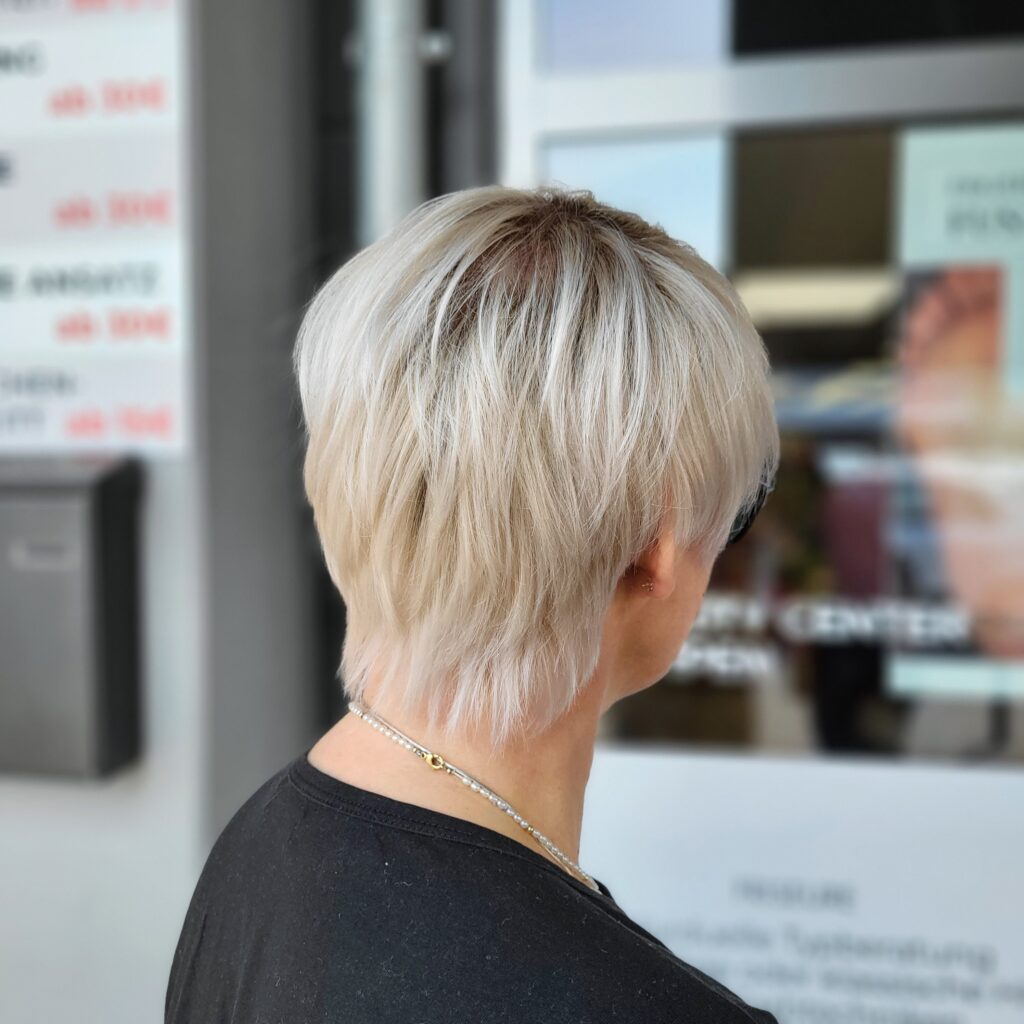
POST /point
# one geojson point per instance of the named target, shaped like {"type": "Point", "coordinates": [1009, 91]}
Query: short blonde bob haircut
{"type": "Point", "coordinates": [504, 397]}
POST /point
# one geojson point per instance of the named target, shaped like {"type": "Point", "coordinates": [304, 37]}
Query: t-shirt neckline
{"type": "Point", "coordinates": [349, 798]}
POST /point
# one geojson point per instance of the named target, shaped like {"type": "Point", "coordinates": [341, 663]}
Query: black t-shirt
{"type": "Point", "coordinates": [324, 902]}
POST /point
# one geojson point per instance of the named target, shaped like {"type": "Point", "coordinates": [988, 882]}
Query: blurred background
{"type": "Point", "coordinates": [822, 804]}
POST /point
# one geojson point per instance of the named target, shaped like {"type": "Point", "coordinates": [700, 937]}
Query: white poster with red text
{"type": "Point", "coordinates": [94, 298]}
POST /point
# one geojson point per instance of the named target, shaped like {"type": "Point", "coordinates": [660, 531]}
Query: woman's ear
{"type": "Point", "coordinates": [654, 570]}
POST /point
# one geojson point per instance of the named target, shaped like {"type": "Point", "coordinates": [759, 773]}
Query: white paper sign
{"type": "Point", "coordinates": [94, 313]}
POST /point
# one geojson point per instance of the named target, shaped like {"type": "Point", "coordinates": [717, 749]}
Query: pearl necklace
{"type": "Point", "coordinates": [437, 762]}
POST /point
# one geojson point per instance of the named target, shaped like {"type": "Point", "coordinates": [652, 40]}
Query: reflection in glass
{"type": "Point", "coordinates": [678, 182]}
{"type": "Point", "coordinates": [876, 606]}
{"type": "Point", "coordinates": [606, 35]}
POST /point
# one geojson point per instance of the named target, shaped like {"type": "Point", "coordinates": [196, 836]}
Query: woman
{"type": "Point", "coordinates": [534, 421]}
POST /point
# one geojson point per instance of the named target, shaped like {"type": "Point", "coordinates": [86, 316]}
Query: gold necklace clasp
{"type": "Point", "coordinates": [434, 760]}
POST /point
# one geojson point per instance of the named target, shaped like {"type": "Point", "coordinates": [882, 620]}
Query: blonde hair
{"type": "Point", "coordinates": [503, 398]}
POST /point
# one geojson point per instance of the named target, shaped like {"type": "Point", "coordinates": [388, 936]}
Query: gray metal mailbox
{"type": "Point", "coordinates": [69, 650]}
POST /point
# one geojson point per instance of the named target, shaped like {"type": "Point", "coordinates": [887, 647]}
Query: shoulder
{"type": "Point", "coordinates": [248, 844]}
{"type": "Point", "coordinates": [580, 957]}
{"type": "Point", "coordinates": [339, 905]}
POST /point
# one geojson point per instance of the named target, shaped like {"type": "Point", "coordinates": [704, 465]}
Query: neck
{"type": "Point", "coordinates": [543, 778]}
